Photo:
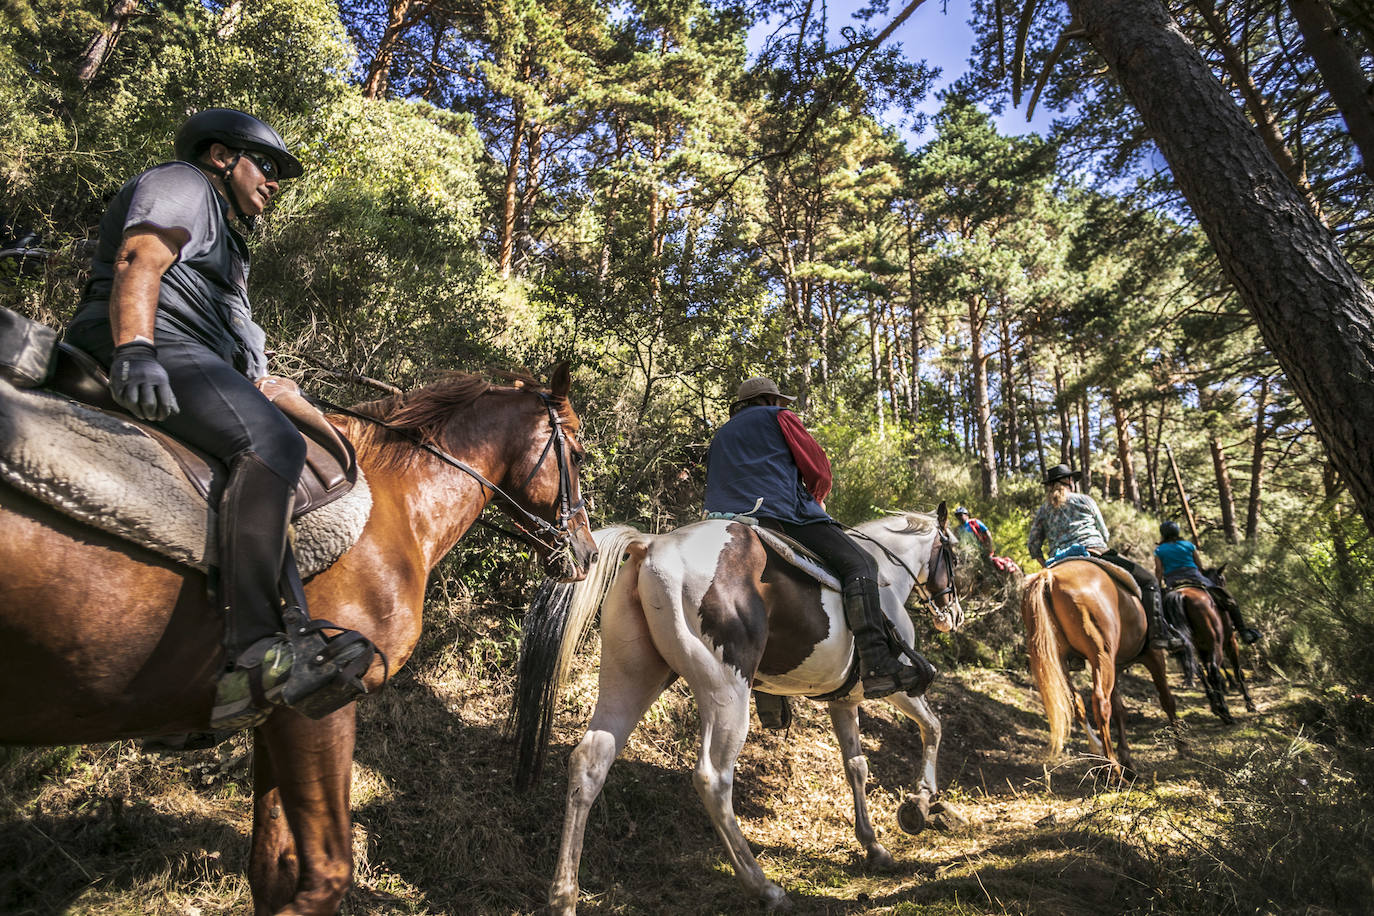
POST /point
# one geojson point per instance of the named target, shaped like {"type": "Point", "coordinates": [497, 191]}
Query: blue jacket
{"type": "Point", "coordinates": [750, 459]}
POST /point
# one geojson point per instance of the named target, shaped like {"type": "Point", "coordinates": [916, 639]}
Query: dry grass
{"type": "Point", "coordinates": [110, 830]}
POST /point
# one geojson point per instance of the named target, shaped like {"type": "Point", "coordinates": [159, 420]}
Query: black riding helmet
{"type": "Point", "coordinates": [238, 131]}
{"type": "Point", "coordinates": [1169, 530]}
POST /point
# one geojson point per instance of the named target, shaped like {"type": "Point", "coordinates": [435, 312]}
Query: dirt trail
{"type": "Point", "coordinates": [438, 829]}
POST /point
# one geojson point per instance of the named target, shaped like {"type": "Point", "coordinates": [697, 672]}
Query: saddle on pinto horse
{"type": "Point", "coordinates": [70, 446]}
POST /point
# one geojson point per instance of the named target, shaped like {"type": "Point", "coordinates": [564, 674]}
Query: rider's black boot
{"type": "Point", "coordinates": [882, 670]}
{"type": "Point", "coordinates": [1159, 633]}
{"type": "Point", "coordinates": [266, 668]}
{"type": "Point", "coordinates": [1248, 635]}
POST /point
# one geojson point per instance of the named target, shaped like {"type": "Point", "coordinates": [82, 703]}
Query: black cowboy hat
{"type": "Point", "coordinates": [1061, 472]}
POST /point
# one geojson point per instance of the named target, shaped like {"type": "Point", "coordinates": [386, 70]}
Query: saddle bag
{"type": "Point", "coordinates": [26, 350]}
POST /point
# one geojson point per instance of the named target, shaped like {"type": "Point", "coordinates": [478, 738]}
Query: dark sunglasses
{"type": "Point", "coordinates": [265, 165]}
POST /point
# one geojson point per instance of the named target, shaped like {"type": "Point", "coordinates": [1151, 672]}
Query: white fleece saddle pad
{"type": "Point", "coordinates": [108, 474]}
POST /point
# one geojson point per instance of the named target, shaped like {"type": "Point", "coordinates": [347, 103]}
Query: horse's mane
{"type": "Point", "coordinates": [421, 414]}
{"type": "Point", "coordinates": [914, 522]}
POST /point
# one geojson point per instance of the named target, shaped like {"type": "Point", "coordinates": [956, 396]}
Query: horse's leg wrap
{"type": "Point", "coordinates": [881, 667]}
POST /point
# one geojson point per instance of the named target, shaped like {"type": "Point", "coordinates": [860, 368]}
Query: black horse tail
{"type": "Point", "coordinates": [558, 619]}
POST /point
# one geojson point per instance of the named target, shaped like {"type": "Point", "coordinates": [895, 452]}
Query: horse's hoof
{"type": "Point", "coordinates": [777, 901]}
{"type": "Point", "coordinates": [913, 815]}
{"type": "Point", "coordinates": [879, 859]}
{"type": "Point", "coordinates": [947, 818]}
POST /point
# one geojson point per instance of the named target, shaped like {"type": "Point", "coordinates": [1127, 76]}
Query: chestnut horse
{"type": "Point", "coordinates": [1077, 607]}
{"type": "Point", "coordinates": [709, 603]}
{"type": "Point", "coordinates": [101, 639]}
{"type": "Point", "coordinates": [1211, 633]}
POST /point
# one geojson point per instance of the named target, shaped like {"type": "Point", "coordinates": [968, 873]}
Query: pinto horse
{"type": "Point", "coordinates": [101, 639]}
{"type": "Point", "coordinates": [1211, 633]}
{"type": "Point", "coordinates": [1077, 607]}
{"type": "Point", "coordinates": [709, 603]}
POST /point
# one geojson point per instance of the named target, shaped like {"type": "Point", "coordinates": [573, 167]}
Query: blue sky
{"type": "Point", "coordinates": [937, 31]}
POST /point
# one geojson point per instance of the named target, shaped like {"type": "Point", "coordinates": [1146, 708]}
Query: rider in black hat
{"type": "Point", "coordinates": [166, 309]}
{"type": "Point", "coordinates": [1067, 519]}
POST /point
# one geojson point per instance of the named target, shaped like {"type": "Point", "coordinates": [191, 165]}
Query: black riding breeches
{"type": "Point", "coordinates": [827, 540]}
{"type": "Point", "coordinates": [222, 413]}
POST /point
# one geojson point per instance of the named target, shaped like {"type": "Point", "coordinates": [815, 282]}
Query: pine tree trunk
{"type": "Point", "coordinates": [398, 20]}
{"type": "Point", "coordinates": [1252, 508]}
{"type": "Point", "coordinates": [1033, 410]}
{"type": "Point", "coordinates": [982, 412]}
{"type": "Point", "coordinates": [1130, 489]}
{"type": "Point", "coordinates": [1340, 68]}
{"type": "Point", "coordinates": [1256, 104]}
{"type": "Point", "coordinates": [1315, 313]}
{"type": "Point", "coordinates": [510, 196]}
{"type": "Point", "coordinates": [1062, 407]}
{"type": "Point", "coordinates": [1010, 400]}
{"type": "Point", "coordinates": [1085, 445]}
{"type": "Point", "coordinates": [1151, 457]}
{"type": "Point", "coordinates": [1225, 494]}
{"type": "Point", "coordinates": [534, 166]}
{"type": "Point", "coordinates": [101, 45]}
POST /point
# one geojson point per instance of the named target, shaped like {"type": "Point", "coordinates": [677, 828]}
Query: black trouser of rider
{"type": "Point", "coordinates": [828, 541]}
{"type": "Point", "coordinates": [223, 414]}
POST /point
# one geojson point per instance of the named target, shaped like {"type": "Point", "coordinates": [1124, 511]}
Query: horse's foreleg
{"type": "Point", "coordinates": [1233, 656]}
{"type": "Point", "coordinates": [844, 717]}
{"type": "Point", "coordinates": [302, 858]}
{"type": "Point", "coordinates": [913, 814]}
{"type": "Point", "coordinates": [632, 676]}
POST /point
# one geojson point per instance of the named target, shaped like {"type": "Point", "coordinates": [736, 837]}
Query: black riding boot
{"type": "Point", "coordinates": [1249, 635]}
{"type": "Point", "coordinates": [882, 670]}
{"type": "Point", "coordinates": [1158, 632]}
{"type": "Point", "coordinates": [265, 667]}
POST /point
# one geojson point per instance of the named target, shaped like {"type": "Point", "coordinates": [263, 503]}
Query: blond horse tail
{"type": "Point", "coordinates": [1042, 643]}
{"type": "Point", "coordinates": [556, 623]}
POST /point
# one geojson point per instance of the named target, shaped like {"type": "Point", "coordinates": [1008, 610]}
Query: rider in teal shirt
{"type": "Point", "coordinates": [1177, 563]}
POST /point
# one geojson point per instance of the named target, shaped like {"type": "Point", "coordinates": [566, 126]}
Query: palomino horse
{"type": "Point", "coordinates": [1211, 633]}
{"type": "Point", "coordinates": [100, 639]}
{"type": "Point", "coordinates": [708, 603]}
{"type": "Point", "coordinates": [1077, 607]}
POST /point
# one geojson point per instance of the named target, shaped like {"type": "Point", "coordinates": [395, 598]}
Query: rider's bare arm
{"type": "Point", "coordinates": [145, 255]}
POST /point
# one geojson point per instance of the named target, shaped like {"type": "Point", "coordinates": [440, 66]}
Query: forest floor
{"type": "Point", "coordinates": [438, 829]}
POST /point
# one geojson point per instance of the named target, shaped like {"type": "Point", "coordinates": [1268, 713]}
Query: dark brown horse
{"type": "Point", "coordinates": [1077, 608]}
{"type": "Point", "coordinates": [100, 639]}
{"type": "Point", "coordinates": [1211, 633]}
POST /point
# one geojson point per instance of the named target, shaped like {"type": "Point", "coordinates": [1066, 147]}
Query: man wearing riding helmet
{"type": "Point", "coordinates": [1068, 520]}
{"type": "Point", "coordinates": [1177, 562]}
{"type": "Point", "coordinates": [166, 309]}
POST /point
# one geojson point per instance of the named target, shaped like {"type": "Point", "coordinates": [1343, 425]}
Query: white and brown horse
{"type": "Point", "coordinates": [707, 602]}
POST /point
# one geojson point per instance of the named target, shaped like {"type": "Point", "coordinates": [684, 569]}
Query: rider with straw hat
{"type": "Point", "coordinates": [1069, 520]}
{"type": "Point", "coordinates": [764, 463]}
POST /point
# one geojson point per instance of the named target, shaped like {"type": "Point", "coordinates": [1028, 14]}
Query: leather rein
{"type": "Point", "coordinates": [554, 537]}
{"type": "Point", "coordinates": [940, 552]}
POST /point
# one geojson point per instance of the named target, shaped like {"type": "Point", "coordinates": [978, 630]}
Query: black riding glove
{"type": "Point", "coordinates": [139, 384]}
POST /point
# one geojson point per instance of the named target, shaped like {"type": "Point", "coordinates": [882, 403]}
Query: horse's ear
{"type": "Point", "coordinates": [560, 379]}
{"type": "Point", "coordinates": [942, 513]}
{"type": "Point", "coordinates": [1222, 568]}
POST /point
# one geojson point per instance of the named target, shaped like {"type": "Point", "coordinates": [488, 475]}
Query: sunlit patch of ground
{"type": "Point", "coordinates": [439, 830]}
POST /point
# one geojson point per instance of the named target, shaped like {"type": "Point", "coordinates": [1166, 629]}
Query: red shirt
{"type": "Point", "coordinates": [807, 452]}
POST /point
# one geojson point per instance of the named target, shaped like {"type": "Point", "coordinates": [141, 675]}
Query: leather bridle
{"type": "Point", "coordinates": [941, 550]}
{"type": "Point", "coordinates": [544, 536]}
